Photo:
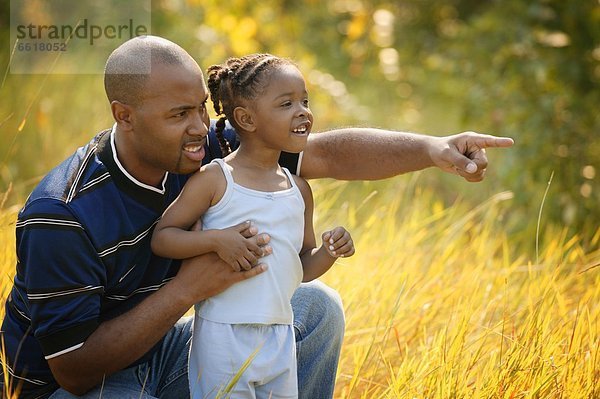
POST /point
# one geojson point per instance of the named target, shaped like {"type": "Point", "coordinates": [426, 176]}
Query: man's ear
{"type": "Point", "coordinates": [244, 119]}
{"type": "Point", "coordinates": [123, 115]}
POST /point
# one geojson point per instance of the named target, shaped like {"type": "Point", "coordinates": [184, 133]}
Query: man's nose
{"type": "Point", "coordinates": [199, 125]}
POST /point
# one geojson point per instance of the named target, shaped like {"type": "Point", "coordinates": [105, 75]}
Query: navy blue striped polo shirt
{"type": "Point", "coordinates": [83, 254]}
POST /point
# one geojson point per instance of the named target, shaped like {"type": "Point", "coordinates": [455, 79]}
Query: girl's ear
{"type": "Point", "coordinates": [123, 115]}
{"type": "Point", "coordinates": [244, 119]}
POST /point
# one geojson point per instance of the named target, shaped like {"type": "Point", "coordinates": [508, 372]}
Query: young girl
{"type": "Point", "coordinates": [265, 98]}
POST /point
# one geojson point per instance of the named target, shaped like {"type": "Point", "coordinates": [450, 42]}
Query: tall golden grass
{"type": "Point", "coordinates": [441, 303]}
{"type": "Point", "coordinates": [7, 271]}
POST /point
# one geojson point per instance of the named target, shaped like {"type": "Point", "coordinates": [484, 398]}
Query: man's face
{"type": "Point", "coordinates": [170, 124]}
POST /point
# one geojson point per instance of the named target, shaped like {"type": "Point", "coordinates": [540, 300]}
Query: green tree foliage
{"type": "Point", "coordinates": [529, 70]}
{"type": "Point", "coordinates": [525, 69]}
{"type": "Point", "coordinates": [534, 73]}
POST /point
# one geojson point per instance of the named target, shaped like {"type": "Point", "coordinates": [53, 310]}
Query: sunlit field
{"type": "Point", "coordinates": [440, 303]}
{"type": "Point", "coordinates": [456, 290]}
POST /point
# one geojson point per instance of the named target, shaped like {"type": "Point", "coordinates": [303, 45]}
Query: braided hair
{"type": "Point", "coordinates": [236, 80]}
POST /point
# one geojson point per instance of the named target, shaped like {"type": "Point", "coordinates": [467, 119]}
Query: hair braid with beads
{"type": "Point", "coordinates": [235, 81]}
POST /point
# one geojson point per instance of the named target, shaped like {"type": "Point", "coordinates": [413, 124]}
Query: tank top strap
{"type": "Point", "coordinates": [289, 176]}
{"type": "Point", "coordinates": [226, 170]}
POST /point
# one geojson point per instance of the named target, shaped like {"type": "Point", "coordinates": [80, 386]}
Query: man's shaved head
{"type": "Point", "coordinates": [128, 67]}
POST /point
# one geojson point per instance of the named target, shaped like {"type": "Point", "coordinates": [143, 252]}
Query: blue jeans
{"type": "Point", "coordinates": [319, 328]}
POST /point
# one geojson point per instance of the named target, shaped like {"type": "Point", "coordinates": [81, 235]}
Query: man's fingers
{"type": "Point", "coordinates": [470, 157]}
{"type": "Point", "coordinates": [236, 266]}
{"type": "Point", "coordinates": [245, 264]}
{"type": "Point", "coordinates": [464, 165]}
{"type": "Point", "coordinates": [474, 139]}
{"type": "Point", "coordinates": [255, 271]}
{"type": "Point", "coordinates": [487, 141]}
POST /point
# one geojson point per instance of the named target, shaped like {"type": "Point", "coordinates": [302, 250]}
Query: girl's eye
{"type": "Point", "coordinates": [286, 104]}
{"type": "Point", "coordinates": [305, 102]}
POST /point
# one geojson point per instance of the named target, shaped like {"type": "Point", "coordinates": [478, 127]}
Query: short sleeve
{"type": "Point", "coordinates": [64, 276]}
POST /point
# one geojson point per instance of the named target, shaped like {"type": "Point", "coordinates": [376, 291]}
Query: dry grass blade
{"type": "Point", "coordinates": [226, 390]}
{"type": "Point", "coordinates": [441, 303]}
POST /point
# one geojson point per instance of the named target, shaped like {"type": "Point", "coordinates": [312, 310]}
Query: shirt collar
{"type": "Point", "coordinates": [153, 197]}
{"type": "Point", "coordinates": [115, 156]}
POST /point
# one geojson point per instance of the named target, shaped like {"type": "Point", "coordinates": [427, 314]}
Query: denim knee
{"type": "Point", "coordinates": [319, 327]}
{"type": "Point", "coordinates": [315, 304]}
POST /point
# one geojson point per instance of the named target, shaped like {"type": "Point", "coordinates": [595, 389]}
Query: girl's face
{"type": "Point", "coordinates": [281, 114]}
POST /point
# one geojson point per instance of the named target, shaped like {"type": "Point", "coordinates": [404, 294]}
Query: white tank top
{"type": "Point", "coordinates": [264, 299]}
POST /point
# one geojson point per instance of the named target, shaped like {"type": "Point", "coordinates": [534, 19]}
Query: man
{"type": "Point", "coordinates": [92, 311]}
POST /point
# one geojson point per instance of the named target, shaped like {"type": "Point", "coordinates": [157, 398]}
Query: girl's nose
{"type": "Point", "coordinates": [304, 110]}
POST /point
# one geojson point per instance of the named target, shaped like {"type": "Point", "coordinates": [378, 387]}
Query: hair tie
{"type": "Point", "coordinates": [227, 72]}
{"type": "Point", "coordinates": [221, 122]}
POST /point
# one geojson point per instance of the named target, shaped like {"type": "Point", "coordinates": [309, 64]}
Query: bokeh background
{"type": "Point", "coordinates": [525, 69]}
{"type": "Point", "coordinates": [457, 290]}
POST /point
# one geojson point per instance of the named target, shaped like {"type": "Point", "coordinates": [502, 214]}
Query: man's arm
{"type": "Point", "coordinates": [117, 343]}
{"type": "Point", "coordinates": [371, 154]}
{"type": "Point", "coordinates": [64, 288]}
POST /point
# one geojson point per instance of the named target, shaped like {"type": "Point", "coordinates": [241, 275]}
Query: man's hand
{"type": "Point", "coordinates": [207, 275]}
{"type": "Point", "coordinates": [463, 154]}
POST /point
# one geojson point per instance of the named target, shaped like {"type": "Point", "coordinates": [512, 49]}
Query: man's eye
{"type": "Point", "coordinates": [180, 114]}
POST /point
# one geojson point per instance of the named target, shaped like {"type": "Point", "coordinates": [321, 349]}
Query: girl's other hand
{"type": "Point", "coordinates": [338, 242]}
